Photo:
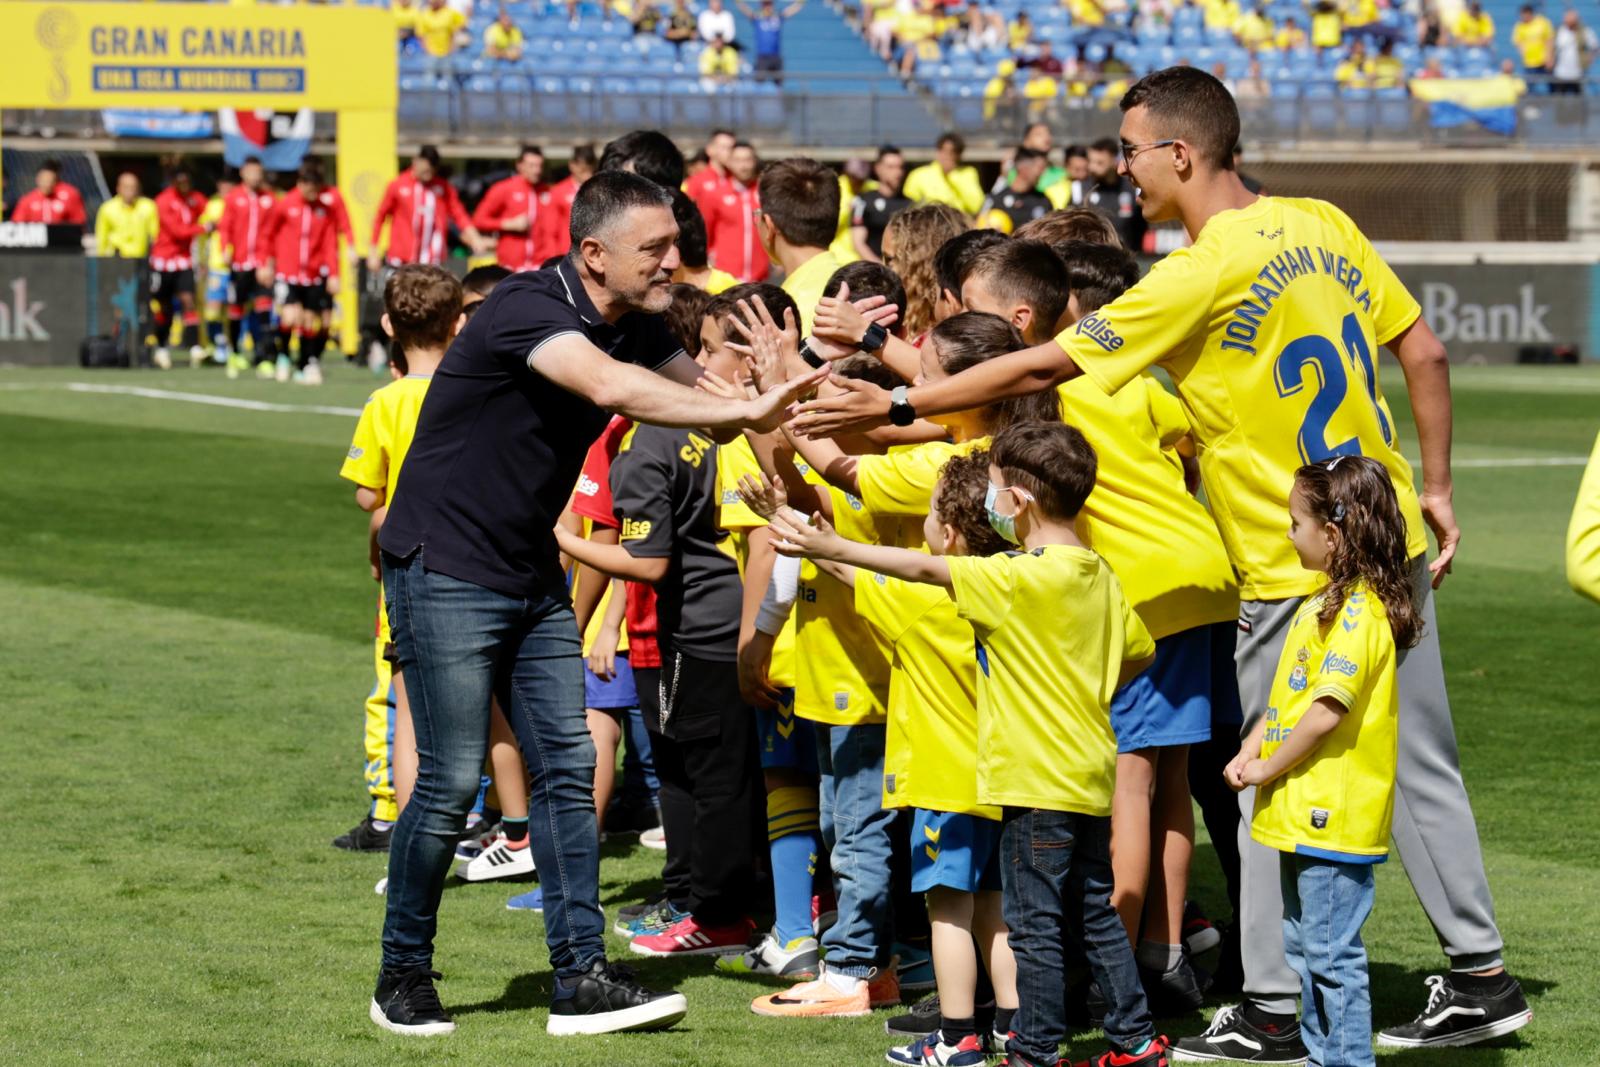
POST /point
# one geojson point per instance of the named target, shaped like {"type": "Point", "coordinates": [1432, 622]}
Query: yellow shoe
{"type": "Point", "coordinates": [264, 371]}
{"type": "Point", "coordinates": [819, 999]}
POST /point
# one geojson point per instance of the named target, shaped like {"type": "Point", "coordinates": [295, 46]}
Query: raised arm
{"type": "Point", "coordinates": [612, 560]}
{"type": "Point", "coordinates": [815, 539]}
{"type": "Point", "coordinates": [1427, 369]}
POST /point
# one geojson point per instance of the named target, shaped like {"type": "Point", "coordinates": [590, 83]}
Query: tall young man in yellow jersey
{"type": "Point", "coordinates": [1269, 325]}
{"type": "Point", "coordinates": [1164, 548]}
{"type": "Point", "coordinates": [799, 211]}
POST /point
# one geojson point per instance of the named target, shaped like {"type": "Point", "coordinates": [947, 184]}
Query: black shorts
{"type": "Point", "coordinates": [165, 285]}
{"type": "Point", "coordinates": [313, 297]}
{"type": "Point", "coordinates": [244, 287]}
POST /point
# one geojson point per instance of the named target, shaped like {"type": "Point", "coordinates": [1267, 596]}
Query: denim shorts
{"type": "Point", "coordinates": [1170, 703]}
{"type": "Point", "coordinates": [619, 693]}
{"type": "Point", "coordinates": [954, 851]}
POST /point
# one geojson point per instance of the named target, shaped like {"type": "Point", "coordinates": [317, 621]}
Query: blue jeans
{"type": "Point", "coordinates": [1055, 875]}
{"type": "Point", "coordinates": [1325, 903]}
{"type": "Point", "coordinates": [855, 829]}
{"type": "Point", "coordinates": [639, 782]}
{"type": "Point", "coordinates": [458, 644]}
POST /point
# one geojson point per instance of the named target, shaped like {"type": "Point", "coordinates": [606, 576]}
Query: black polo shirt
{"type": "Point", "coordinates": [1019, 208]}
{"type": "Point", "coordinates": [873, 209]}
{"type": "Point", "coordinates": [1118, 200]}
{"type": "Point", "coordinates": [499, 447]}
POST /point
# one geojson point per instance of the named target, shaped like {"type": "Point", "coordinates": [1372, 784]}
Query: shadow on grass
{"type": "Point", "coordinates": [532, 991]}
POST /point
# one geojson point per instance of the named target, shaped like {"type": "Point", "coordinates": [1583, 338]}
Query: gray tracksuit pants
{"type": "Point", "coordinates": [1434, 831]}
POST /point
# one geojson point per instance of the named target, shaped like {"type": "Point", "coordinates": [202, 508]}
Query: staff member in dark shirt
{"type": "Point", "coordinates": [1020, 202]}
{"type": "Point", "coordinates": [871, 211]}
{"type": "Point", "coordinates": [477, 598]}
{"type": "Point", "coordinates": [1114, 195]}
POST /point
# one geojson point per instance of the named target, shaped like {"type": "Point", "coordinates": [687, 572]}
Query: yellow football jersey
{"type": "Point", "coordinates": [805, 286]}
{"type": "Point", "coordinates": [1269, 325]}
{"type": "Point", "coordinates": [1583, 532]}
{"type": "Point", "coordinates": [1053, 630]}
{"type": "Point", "coordinates": [734, 460]}
{"type": "Point", "coordinates": [900, 482]}
{"type": "Point", "coordinates": [1159, 540]}
{"type": "Point", "coordinates": [841, 667]}
{"type": "Point", "coordinates": [1339, 802]}
{"type": "Point", "coordinates": [931, 750]}
{"type": "Point", "coordinates": [216, 255]}
{"type": "Point", "coordinates": [383, 435]}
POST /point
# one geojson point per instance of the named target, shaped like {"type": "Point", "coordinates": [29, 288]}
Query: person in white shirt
{"type": "Point", "coordinates": [716, 21]}
{"type": "Point", "coordinates": [1575, 46]}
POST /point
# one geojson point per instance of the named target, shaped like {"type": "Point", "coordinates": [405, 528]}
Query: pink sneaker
{"type": "Point", "coordinates": [686, 937]}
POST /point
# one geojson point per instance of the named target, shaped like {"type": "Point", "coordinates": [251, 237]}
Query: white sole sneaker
{"type": "Point", "coordinates": [656, 1015]}
{"type": "Point", "coordinates": [425, 1030]}
{"type": "Point", "coordinates": [498, 861]}
{"type": "Point", "coordinates": [656, 839]}
{"type": "Point", "coordinates": [1499, 1028]}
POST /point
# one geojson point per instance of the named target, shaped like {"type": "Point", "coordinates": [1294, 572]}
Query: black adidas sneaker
{"type": "Point", "coordinates": [1456, 1017]}
{"type": "Point", "coordinates": [607, 999]}
{"type": "Point", "coordinates": [1233, 1037]}
{"type": "Point", "coordinates": [365, 837]}
{"type": "Point", "coordinates": [406, 1003]}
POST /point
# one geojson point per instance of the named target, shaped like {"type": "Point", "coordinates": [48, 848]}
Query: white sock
{"type": "Point", "coordinates": [843, 983]}
{"type": "Point", "coordinates": [1155, 956]}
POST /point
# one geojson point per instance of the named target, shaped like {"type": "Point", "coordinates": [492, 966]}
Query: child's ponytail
{"type": "Point", "coordinates": [1354, 493]}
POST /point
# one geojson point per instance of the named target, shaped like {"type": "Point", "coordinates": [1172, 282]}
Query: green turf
{"type": "Point", "coordinates": [184, 626]}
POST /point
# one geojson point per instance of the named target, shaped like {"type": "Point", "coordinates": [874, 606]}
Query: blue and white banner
{"type": "Point", "coordinates": [279, 139]}
{"type": "Point", "coordinates": [159, 123]}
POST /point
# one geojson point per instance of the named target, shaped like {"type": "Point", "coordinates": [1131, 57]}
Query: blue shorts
{"type": "Point", "coordinates": [786, 740]}
{"type": "Point", "coordinates": [1170, 703]}
{"type": "Point", "coordinates": [217, 287]}
{"type": "Point", "coordinates": [619, 693]}
{"type": "Point", "coordinates": [960, 852]}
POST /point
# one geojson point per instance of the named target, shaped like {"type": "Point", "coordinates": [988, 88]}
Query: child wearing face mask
{"type": "Point", "coordinates": [1056, 639]}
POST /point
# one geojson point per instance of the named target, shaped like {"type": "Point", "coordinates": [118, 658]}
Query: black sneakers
{"type": "Point", "coordinates": [365, 837]}
{"type": "Point", "coordinates": [1456, 1017]}
{"type": "Point", "coordinates": [1176, 992]}
{"type": "Point", "coordinates": [631, 818]}
{"type": "Point", "coordinates": [406, 1003]}
{"type": "Point", "coordinates": [607, 999]}
{"type": "Point", "coordinates": [923, 1018]}
{"type": "Point", "coordinates": [1232, 1037]}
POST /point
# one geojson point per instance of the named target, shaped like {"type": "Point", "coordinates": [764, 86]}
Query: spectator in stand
{"type": "Point", "coordinates": [947, 180]}
{"type": "Point", "coordinates": [1001, 91]}
{"type": "Point", "coordinates": [178, 210]}
{"type": "Point", "coordinates": [512, 208]}
{"type": "Point", "coordinates": [405, 23]}
{"type": "Point", "coordinates": [715, 23]}
{"type": "Point", "coordinates": [1289, 36]}
{"type": "Point", "coordinates": [681, 25]}
{"type": "Point", "coordinates": [1019, 33]}
{"type": "Point", "coordinates": [918, 33]}
{"type": "Point", "coordinates": [1431, 68]}
{"type": "Point", "coordinates": [1219, 71]}
{"type": "Point", "coordinates": [1532, 36]}
{"type": "Point", "coordinates": [882, 24]}
{"type": "Point", "coordinates": [1253, 86]}
{"type": "Point", "coordinates": [52, 200]}
{"type": "Point", "coordinates": [872, 210]}
{"type": "Point", "coordinates": [719, 65]}
{"type": "Point", "coordinates": [556, 219]}
{"type": "Point", "coordinates": [1385, 71]}
{"type": "Point", "coordinates": [1044, 61]}
{"type": "Point", "coordinates": [1327, 26]}
{"type": "Point", "coordinates": [419, 206]}
{"type": "Point", "coordinates": [646, 19]}
{"type": "Point", "coordinates": [1112, 66]}
{"type": "Point", "coordinates": [438, 26]}
{"type": "Point", "coordinates": [769, 22]}
{"type": "Point", "coordinates": [694, 266]}
{"type": "Point", "coordinates": [982, 33]}
{"type": "Point", "coordinates": [1114, 195]}
{"type": "Point", "coordinates": [1430, 31]}
{"type": "Point", "coordinates": [1575, 46]}
{"type": "Point", "coordinates": [1473, 28]}
{"type": "Point", "coordinates": [1355, 71]}
{"type": "Point", "coordinates": [648, 153]}
{"type": "Point", "coordinates": [1040, 91]}
{"type": "Point", "coordinates": [733, 228]}
{"type": "Point", "coordinates": [1221, 14]}
{"type": "Point", "coordinates": [1254, 31]}
{"type": "Point", "coordinates": [503, 40]}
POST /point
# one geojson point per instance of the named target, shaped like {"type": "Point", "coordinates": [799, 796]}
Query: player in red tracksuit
{"type": "Point", "coordinates": [557, 220]}
{"type": "Point", "coordinates": [514, 208]}
{"type": "Point", "coordinates": [178, 209]}
{"type": "Point", "coordinates": [731, 231]}
{"type": "Point", "coordinates": [419, 206]}
{"type": "Point", "coordinates": [51, 201]}
{"type": "Point", "coordinates": [302, 237]}
{"type": "Point", "coordinates": [240, 230]}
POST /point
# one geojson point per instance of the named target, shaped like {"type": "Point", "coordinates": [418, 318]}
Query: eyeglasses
{"type": "Point", "coordinates": [468, 310]}
{"type": "Point", "coordinates": [1131, 151]}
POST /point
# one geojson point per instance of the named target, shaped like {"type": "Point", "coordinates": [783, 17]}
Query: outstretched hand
{"type": "Point", "coordinates": [764, 496]}
{"type": "Point", "coordinates": [771, 352]}
{"type": "Point", "coordinates": [795, 535]}
{"type": "Point", "coordinates": [854, 406]}
{"type": "Point", "coordinates": [775, 406]}
{"type": "Point", "coordinates": [840, 320]}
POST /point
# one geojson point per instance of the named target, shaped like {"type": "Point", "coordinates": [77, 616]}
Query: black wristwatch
{"type": "Point", "coordinates": [812, 359]}
{"type": "Point", "coordinates": [901, 413]}
{"type": "Point", "coordinates": [875, 338]}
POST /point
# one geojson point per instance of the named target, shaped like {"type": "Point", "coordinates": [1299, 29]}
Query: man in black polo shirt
{"type": "Point", "coordinates": [477, 598]}
{"type": "Point", "coordinates": [872, 210]}
{"type": "Point", "coordinates": [1020, 202]}
{"type": "Point", "coordinates": [1114, 195]}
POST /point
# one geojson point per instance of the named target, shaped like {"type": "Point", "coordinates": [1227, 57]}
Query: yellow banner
{"type": "Point", "coordinates": [196, 56]}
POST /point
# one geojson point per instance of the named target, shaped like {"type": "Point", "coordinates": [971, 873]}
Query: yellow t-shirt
{"type": "Point", "coordinates": [914, 27]}
{"type": "Point", "coordinates": [900, 482]}
{"type": "Point", "coordinates": [960, 188]}
{"type": "Point", "coordinates": [1352, 73]}
{"type": "Point", "coordinates": [1290, 37]}
{"type": "Point", "coordinates": [126, 230]}
{"type": "Point", "coordinates": [437, 29]}
{"type": "Point", "coordinates": [1474, 29]}
{"type": "Point", "coordinates": [841, 668]}
{"type": "Point", "coordinates": [1159, 540]}
{"type": "Point", "coordinates": [1020, 34]}
{"type": "Point", "coordinates": [1222, 14]}
{"type": "Point", "coordinates": [805, 285]}
{"type": "Point", "coordinates": [1269, 325]}
{"type": "Point", "coordinates": [844, 246]}
{"type": "Point", "coordinates": [1339, 802]}
{"type": "Point", "coordinates": [714, 61]}
{"type": "Point", "coordinates": [216, 255]}
{"type": "Point", "coordinates": [720, 281]}
{"type": "Point", "coordinates": [1327, 29]}
{"type": "Point", "coordinates": [931, 751]}
{"type": "Point", "coordinates": [734, 461]}
{"type": "Point", "coordinates": [498, 37]}
{"type": "Point", "coordinates": [1053, 631]}
{"type": "Point", "coordinates": [383, 435]}
{"type": "Point", "coordinates": [1583, 532]}
{"type": "Point", "coordinates": [405, 18]}
{"type": "Point", "coordinates": [1253, 30]}
{"type": "Point", "coordinates": [1532, 39]}
{"type": "Point", "coordinates": [1086, 13]}
{"type": "Point", "coordinates": [1360, 12]}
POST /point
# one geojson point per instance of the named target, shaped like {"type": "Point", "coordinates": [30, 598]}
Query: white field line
{"type": "Point", "coordinates": [214, 401]}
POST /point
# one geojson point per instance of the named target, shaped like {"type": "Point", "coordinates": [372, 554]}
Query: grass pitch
{"type": "Point", "coordinates": [185, 625]}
